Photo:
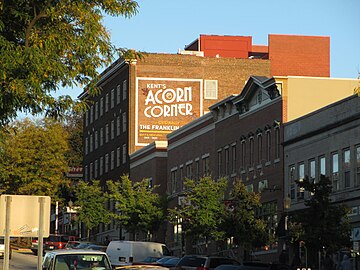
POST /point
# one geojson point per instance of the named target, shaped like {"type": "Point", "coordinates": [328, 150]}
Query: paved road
{"type": "Point", "coordinates": [21, 259]}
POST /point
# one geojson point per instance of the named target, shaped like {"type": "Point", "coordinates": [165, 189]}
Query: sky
{"type": "Point", "coordinates": [165, 26]}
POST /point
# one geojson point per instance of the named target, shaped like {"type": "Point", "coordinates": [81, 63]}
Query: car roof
{"type": "Point", "coordinates": [76, 251]}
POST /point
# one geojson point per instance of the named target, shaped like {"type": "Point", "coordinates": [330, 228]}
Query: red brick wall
{"type": "Point", "coordinates": [226, 46]}
{"type": "Point", "coordinates": [299, 55]}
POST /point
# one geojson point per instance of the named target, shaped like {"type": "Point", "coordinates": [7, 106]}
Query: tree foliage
{"type": "Point", "coordinates": [322, 223]}
{"type": "Point", "coordinates": [139, 208]}
{"type": "Point", "coordinates": [201, 208]}
{"type": "Point", "coordinates": [239, 219]}
{"type": "Point", "coordinates": [33, 160]}
{"type": "Point", "coordinates": [91, 204]}
{"type": "Point", "coordinates": [46, 44]}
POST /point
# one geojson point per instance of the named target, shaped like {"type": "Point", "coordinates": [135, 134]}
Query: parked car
{"type": "Point", "coordinates": [170, 263]}
{"type": "Point", "coordinates": [69, 259]}
{"type": "Point", "coordinates": [129, 252]}
{"type": "Point", "coordinates": [2, 248]}
{"type": "Point", "coordinates": [164, 259]}
{"type": "Point", "coordinates": [254, 266]}
{"type": "Point", "coordinates": [148, 260]}
{"type": "Point", "coordinates": [198, 262]}
{"type": "Point", "coordinates": [97, 247]}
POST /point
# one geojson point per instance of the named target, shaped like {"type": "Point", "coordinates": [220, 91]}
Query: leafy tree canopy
{"type": "Point", "coordinates": [201, 208]}
{"type": "Point", "coordinates": [139, 208]}
{"type": "Point", "coordinates": [322, 223]}
{"type": "Point", "coordinates": [33, 161]}
{"type": "Point", "coordinates": [91, 204]}
{"type": "Point", "coordinates": [239, 219]}
{"type": "Point", "coordinates": [45, 44]}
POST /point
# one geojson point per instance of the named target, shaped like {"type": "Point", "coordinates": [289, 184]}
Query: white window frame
{"type": "Point", "coordinates": [210, 89]}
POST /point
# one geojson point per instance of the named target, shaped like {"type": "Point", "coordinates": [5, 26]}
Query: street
{"type": "Point", "coordinates": [21, 260]}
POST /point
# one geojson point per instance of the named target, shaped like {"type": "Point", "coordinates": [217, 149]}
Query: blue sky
{"type": "Point", "coordinates": [169, 25]}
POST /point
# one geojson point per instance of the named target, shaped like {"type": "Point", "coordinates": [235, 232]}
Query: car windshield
{"type": "Point", "coordinates": [82, 261]}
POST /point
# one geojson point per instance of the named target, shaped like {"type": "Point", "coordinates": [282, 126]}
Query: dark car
{"type": "Point", "coordinates": [197, 262]}
{"type": "Point", "coordinates": [170, 263]}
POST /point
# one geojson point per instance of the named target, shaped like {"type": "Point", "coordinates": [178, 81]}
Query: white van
{"type": "Point", "coordinates": [128, 252]}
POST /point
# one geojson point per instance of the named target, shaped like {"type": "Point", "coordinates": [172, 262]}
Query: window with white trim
{"type": "Point", "coordinates": [101, 167]}
{"type": "Point", "coordinates": [335, 170]}
{"type": "Point", "coordinates": [107, 102]}
{"type": "Point", "coordinates": [346, 168]}
{"type": "Point", "coordinates": [101, 106]}
{"type": "Point", "coordinates": [118, 125]}
{"type": "Point", "coordinates": [112, 127]}
{"type": "Point", "coordinates": [106, 163]}
{"type": "Point", "coordinates": [211, 89]}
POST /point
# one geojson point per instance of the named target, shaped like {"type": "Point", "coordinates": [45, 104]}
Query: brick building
{"type": "Point", "coordinates": [144, 100]}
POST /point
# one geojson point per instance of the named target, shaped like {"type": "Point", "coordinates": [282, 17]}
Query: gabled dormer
{"type": "Point", "coordinates": [257, 92]}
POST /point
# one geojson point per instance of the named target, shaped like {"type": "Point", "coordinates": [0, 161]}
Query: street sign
{"type": "Point", "coordinates": [25, 215]}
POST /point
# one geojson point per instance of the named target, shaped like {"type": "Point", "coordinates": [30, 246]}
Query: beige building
{"type": "Point", "coordinates": [303, 95]}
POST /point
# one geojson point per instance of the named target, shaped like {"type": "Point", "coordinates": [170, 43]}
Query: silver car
{"type": "Point", "coordinates": [76, 259]}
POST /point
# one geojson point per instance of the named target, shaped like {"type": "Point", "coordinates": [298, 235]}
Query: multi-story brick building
{"type": "Point", "coordinates": [242, 138]}
{"type": "Point", "coordinates": [144, 100]}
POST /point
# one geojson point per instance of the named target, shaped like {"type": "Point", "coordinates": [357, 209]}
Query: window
{"type": "Point", "coordinates": [259, 137]}
{"type": "Point", "coordinates": [227, 161]}
{"type": "Point", "coordinates": [220, 162]}
{"type": "Point", "coordinates": [173, 181]}
{"type": "Point", "coordinates": [91, 176]}
{"type": "Point", "coordinates": [106, 163]}
{"type": "Point", "coordinates": [268, 145]}
{"type": "Point", "coordinates": [118, 122]}
{"type": "Point", "coordinates": [346, 168]}
{"type": "Point", "coordinates": [292, 181]}
{"type": "Point", "coordinates": [96, 110]}
{"type": "Point", "coordinates": [233, 159]}
{"type": "Point", "coordinates": [124, 121]}
{"type": "Point", "coordinates": [118, 93]}
{"type": "Point", "coordinates": [86, 173]}
{"type": "Point", "coordinates": [278, 143]}
{"type": "Point", "coordinates": [91, 113]}
{"type": "Point", "coordinates": [96, 139]}
{"type": "Point", "coordinates": [91, 143]}
{"type": "Point", "coordinates": [112, 127]}
{"type": "Point", "coordinates": [124, 153]}
{"type": "Point", "coordinates": [312, 170]}
{"type": "Point", "coordinates": [101, 167]}
{"type": "Point", "coordinates": [101, 106]}
{"type": "Point", "coordinates": [243, 154]}
{"type": "Point", "coordinates": [335, 171]}
{"type": "Point", "coordinates": [118, 156]}
{"type": "Point", "coordinates": [112, 160]}
{"type": "Point", "coordinates": [101, 136]}
{"type": "Point", "coordinates": [300, 191]}
{"type": "Point", "coordinates": [112, 98]}
{"type": "Point", "coordinates": [211, 89]}
{"type": "Point", "coordinates": [197, 169]}
{"type": "Point", "coordinates": [124, 89]}
{"type": "Point", "coordinates": [96, 169]}
{"type": "Point", "coordinates": [251, 142]}
{"type": "Point", "coordinates": [107, 102]}
{"type": "Point", "coordinates": [357, 156]}
{"type": "Point", "coordinates": [206, 165]}
{"type": "Point", "coordinates": [107, 133]}
{"type": "Point", "coordinates": [86, 118]}
{"type": "Point", "coordinates": [322, 164]}
{"type": "Point", "coordinates": [181, 177]}
{"type": "Point", "coordinates": [189, 173]}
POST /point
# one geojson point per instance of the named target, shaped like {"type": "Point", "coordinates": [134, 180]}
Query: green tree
{"type": "Point", "coordinates": [140, 208]}
{"type": "Point", "coordinates": [33, 160]}
{"type": "Point", "coordinates": [47, 44]}
{"type": "Point", "coordinates": [322, 223]}
{"type": "Point", "coordinates": [201, 208]}
{"type": "Point", "coordinates": [239, 219]}
{"type": "Point", "coordinates": [91, 205]}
